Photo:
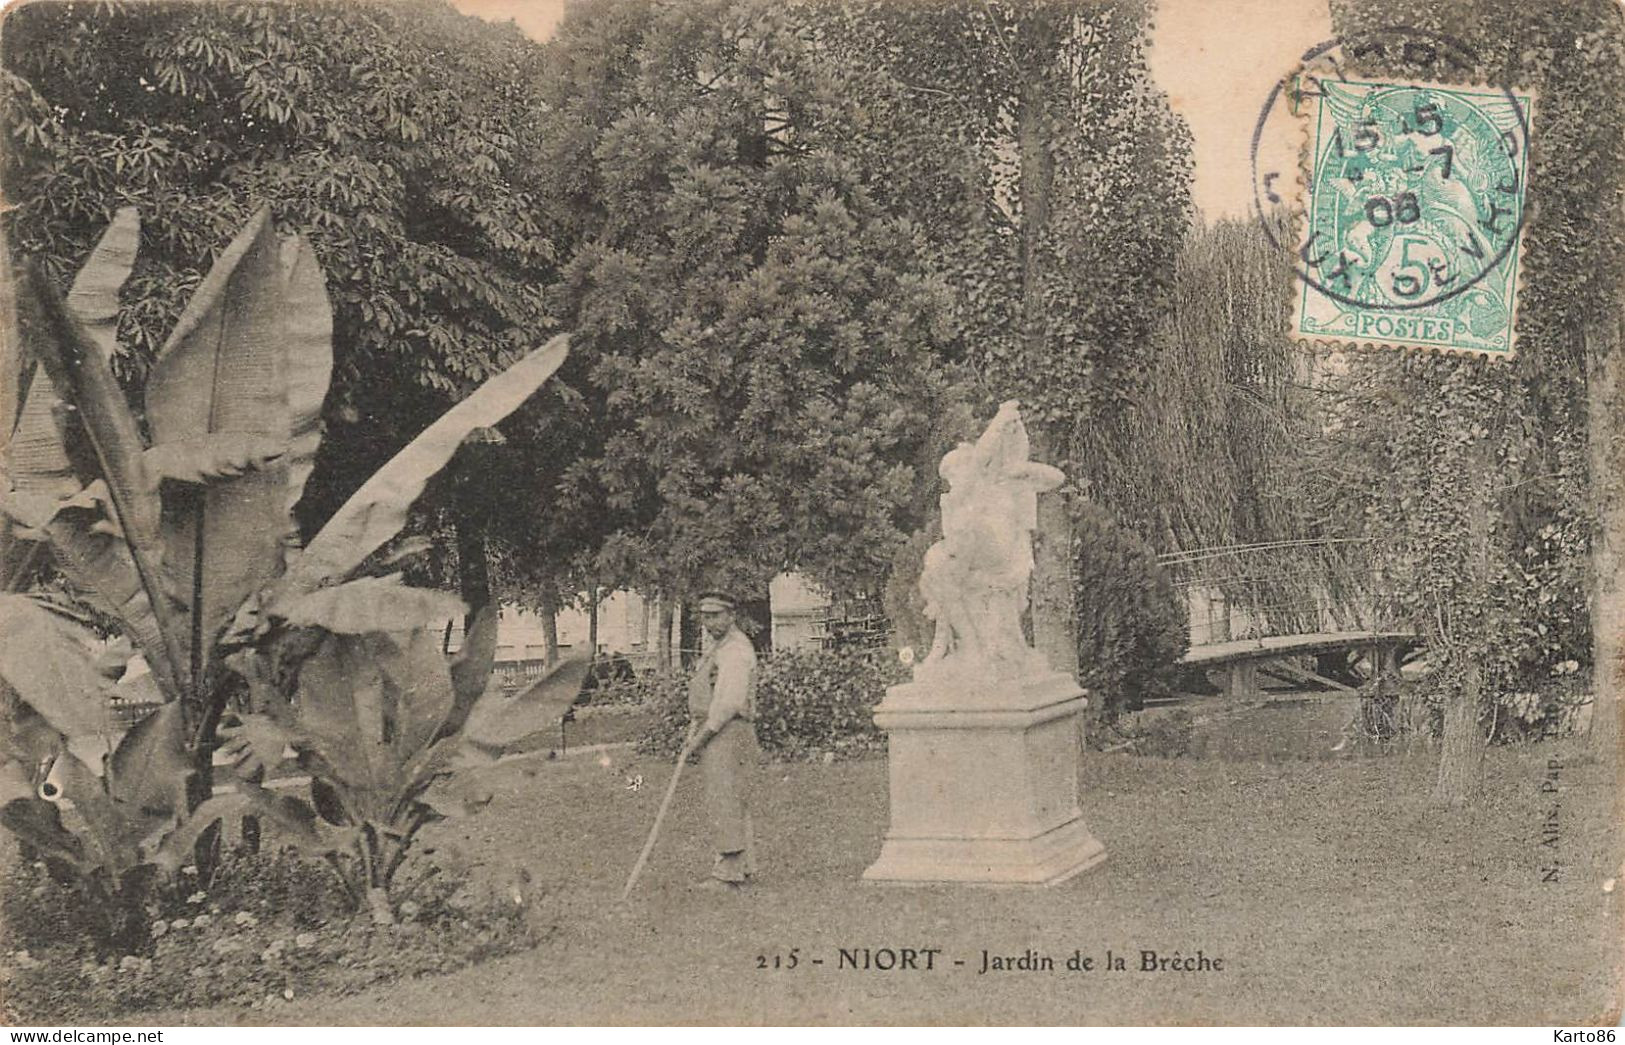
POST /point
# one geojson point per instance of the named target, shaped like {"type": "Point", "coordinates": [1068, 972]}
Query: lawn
{"type": "Point", "coordinates": [1331, 892]}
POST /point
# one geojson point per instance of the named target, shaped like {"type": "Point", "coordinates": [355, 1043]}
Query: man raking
{"type": "Point", "coordinates": [722, 715]}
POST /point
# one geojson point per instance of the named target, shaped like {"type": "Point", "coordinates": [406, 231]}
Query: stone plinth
{"type": "Point", "coordinates": [984, 783]}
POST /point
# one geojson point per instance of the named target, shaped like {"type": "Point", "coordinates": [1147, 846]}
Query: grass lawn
{"type": "Point", "coordinates": [1331, 891]}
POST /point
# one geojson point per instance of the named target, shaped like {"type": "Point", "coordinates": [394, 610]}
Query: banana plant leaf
{"type": "Point", "coordinates": [212, 458]}
{"type": "Point", "coordinates": [471, 669]}
{"type": "Point", "coordinates": [102, 441]}
{"type": "Point", "coordinates": [499, 723]}
{"type": "Point", "coordinates": [36, 465]}
{"type": "Point", "coordinates": [295, 821]}
{"type": "Point", "coordinates": [39, 823]}
{"type": "Point", "coordinates": [342, 704]}
{"type": "Point", "coordinates": [17, 556]}
{"type": "Point", "coordinates": [418, 692]}
{"type": "Point", "coordinates": [33, 444]}
{"type": "Point", "coordinates": [218, 403]}
{"type": "Point", "coordinates": [372, 604]}
{"type": "Point", "coordinates": [307, 337]}
{"type": "Point", "coordinates": [376, 722]}
{"type": "Point", "coordinates": [128, 812]}
{"type": "Point", "coordinates": [375, 513]}
{"type": "Point", "coordinates": [47, 663]}
{"type": "Point", "coordinates": [93, 298]}
{"type": "Point", "coordinates": [148, 771]}
{"type": "Point", "coordinates": [107, 838]}
{"type": "Point", "coordinates": [96, 560]}
{"type": "Point", "coordinates": [15, 780]}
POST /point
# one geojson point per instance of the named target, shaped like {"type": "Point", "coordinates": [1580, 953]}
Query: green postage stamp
{"type": "Point", "coordinates": [1414, 208]}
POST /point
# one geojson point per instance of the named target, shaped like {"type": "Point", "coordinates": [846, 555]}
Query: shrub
{"type": "Point", "coordinates": [1132, 625]}
{"type": "Point", "coordinates": [270, 927]}
{"type": "Point", "coordinates": [809, 703]}
{"type": "Point", "coordinates": [665, 694]}
{"type": "Point", "coordinates": [1546, 709]}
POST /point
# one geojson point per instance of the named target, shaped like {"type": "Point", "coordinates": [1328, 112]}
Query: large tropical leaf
{"type": "Point", "coordinates": [376, 512]}
{"type": "Point", "coordinates": [36, 462]}
{"type": "Point", "coordinates": [36, 472]}
{"type": "Point", "coordinates": [498, 723]}
{"type": "Point", "coordinates": [418, 691]}
{"type": "Point", "coordinates": [17, 556]}
{"type": "Point", "coordinates": [26, 738]}
{"type": "Point", "coordinates": [93, 298]}
{"type": "Point", "coordinates": [222, 373]}
{"type": "Point", "coordinates": [39, 823]}
{"type": "Point", "coordinates": [102, 442]}
{"type": "Point", "coordinates": [343, 700]}
{"type": "Point", "coordinates": [471, 667]}
{"type": "Point", "coordinates": [255, 743]}
{"type": "Point", "coordinates": [211, 458]}
{"type": "Point", "coordinates": [307, 338]}
{"type": "Point", "coordinates": [294, 820]}
{"type": "Point", "coordinates": [148, 773]}
{"type": "Point", "coordinates": [372, 605]}
{"type": "Point", "coordinates": [43, 481]}
{"type": "Point", "coordinates": [99, 564]}
{"type": "Point", "coordinates": [111, 839]}
{"type": "Point", "coordinates": [47, 662]}
{"type": "Point", "coordinates": [16, 778]}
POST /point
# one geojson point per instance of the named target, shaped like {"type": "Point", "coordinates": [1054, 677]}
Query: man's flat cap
{"type": "Point", "coordinates": [716, 602]}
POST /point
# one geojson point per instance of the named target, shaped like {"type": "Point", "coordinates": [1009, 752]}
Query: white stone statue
{"type": "Point", "coordinates": [974, 583]}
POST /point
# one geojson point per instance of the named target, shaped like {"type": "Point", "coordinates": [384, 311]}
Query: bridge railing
{"type": "Point", "coordinates": [1292, 587]}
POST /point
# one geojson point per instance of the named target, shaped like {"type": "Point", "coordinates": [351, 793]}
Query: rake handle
{"type": "Point", "coordinates": [660, 816]}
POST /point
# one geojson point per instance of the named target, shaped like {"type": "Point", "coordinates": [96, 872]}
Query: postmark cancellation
{"type": "Point", "coordinates": [1412, 212]}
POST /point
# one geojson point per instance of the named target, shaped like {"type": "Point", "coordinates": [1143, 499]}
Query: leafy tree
{"type": "Point", "coordinates": [1132, 626]}
{"type": "Point", "coordinates": [1226, 446]}
{"type": "Point", "coordinates": [769, 351]}
{"type": "Point", "coordinates": [1538, 439]}
{"type": "Point", "coordinates": [1057, 191]}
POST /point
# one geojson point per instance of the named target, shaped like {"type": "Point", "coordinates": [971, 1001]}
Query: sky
{"type": "Point", "coordinates": [1217, 59]}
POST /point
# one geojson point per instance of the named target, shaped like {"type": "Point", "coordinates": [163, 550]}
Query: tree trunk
{"type": "Point", "coordinates": [548, 605]}
{"type": "Point", "coordinates": [689, 638]}
{"type": "Point", "coordinates": [1605, 432]}
{"type": "Point", "coordinates": [759, 613]}
{"type": "Point", "coordinates": [1463, 746]}
{"type": "Point", "coordinates": [592, 622]}
{"type": "Point", "coordinates": [1460, 762]}
{"type": "Point", "coordinates": [663, 658]}
{"type": "Point", "coordinates": [473, 570]}
{"type": "Point", "coordinates": [1053, 611]}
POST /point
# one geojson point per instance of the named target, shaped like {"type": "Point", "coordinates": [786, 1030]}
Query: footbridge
{"type": "Point", "coordinates": [1304, 613]}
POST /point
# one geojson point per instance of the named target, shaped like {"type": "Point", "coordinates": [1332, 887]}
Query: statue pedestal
{"type": "Point", "coordinates": [984, 783]}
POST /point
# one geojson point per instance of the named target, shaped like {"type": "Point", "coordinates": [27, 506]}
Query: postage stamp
{"type": "Point", "coordinates": [1414, 208]}
{"type": "Point", "coordinates": [1401, 200]}
{"type": "Point", "coordinates": [645, 512]}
